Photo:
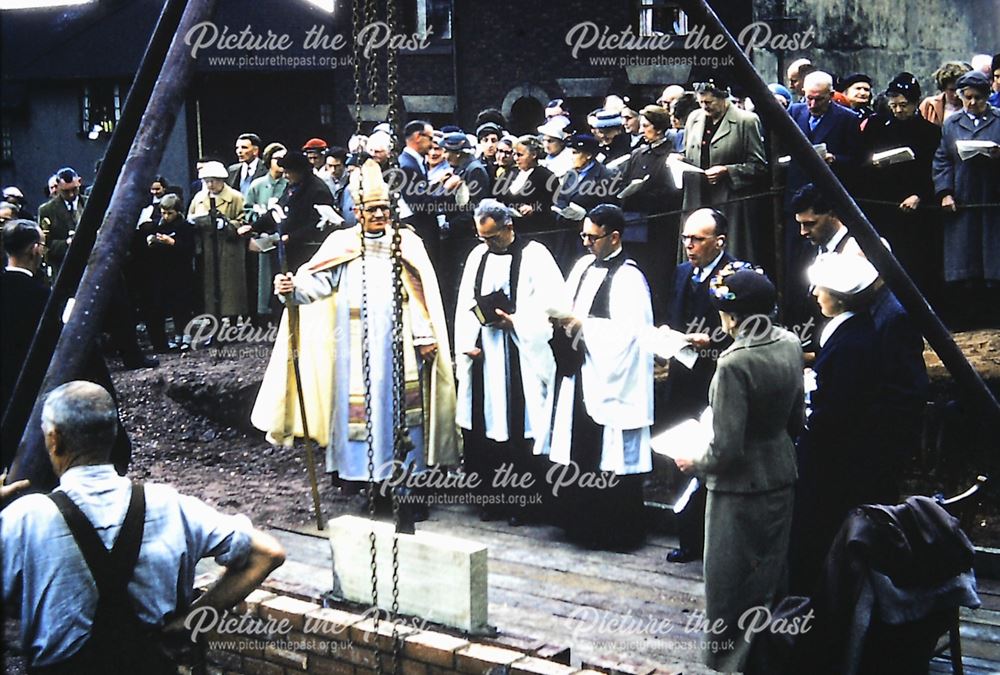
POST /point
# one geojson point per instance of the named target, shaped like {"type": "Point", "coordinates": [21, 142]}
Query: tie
{"type": "Point", "coordinates": [245, 182]}
{"type": "Point", "coordinates": [696, 275]}
{"type": "Point", "coordinates": [813, 122]}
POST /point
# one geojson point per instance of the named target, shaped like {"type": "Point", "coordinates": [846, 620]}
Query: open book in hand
{"type": "Point", "coordinates": [266, 242]}
{"type": "Point", "coordinates": [327, 216]}
{"type": "Point", "coordinates": [688, 440]}
{"type": "Point", "coordinates": [634, 186]}
{"type": "Point", "coordinates": [820, 149]}
{"type": "Point", "coordinates": [571, 212]}
{"type": "Point", "coordinates": [893, 156]}
{"type": "Point", "coordinates": [678, 167]}
{"type": "Point", "coordinates": [970, 148]}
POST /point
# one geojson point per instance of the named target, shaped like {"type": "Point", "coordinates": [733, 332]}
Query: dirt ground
{"type": "Point", "coordinates": [188, 421]}
{"type": "Point", "coordinates": [189, 425]}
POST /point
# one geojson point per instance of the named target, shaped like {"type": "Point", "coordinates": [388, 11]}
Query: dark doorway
{"type": "Point", "coordinates": [526, 115]}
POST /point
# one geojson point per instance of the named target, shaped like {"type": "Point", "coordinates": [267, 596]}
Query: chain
{"type": "Point", "coordinates": [356, 23]}
{"type": "Point", "coordinates": [392, 74]}
{"type": "Point", "coordinates": [369, 433]}
{"type": "Point", "coordinates": [371, 16]}
{"type": "Point", "coordinates": [402, 440]}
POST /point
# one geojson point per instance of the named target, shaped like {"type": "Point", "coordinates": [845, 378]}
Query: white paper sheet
{"type": "Point", "coordinates": [688, 440]}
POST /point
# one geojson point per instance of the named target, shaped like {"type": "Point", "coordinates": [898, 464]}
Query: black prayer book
{"type": "Point", "coordinates": [486, 306]}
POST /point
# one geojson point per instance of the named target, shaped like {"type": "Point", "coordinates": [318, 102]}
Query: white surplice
{"type": "Point", "coordinates": [539, 283]}
{"type": "Point", "coordinates": [617, 373]}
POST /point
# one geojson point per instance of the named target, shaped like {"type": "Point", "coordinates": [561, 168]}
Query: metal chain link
{"type": "Point", "coordinates": [356, 24]}
{"type": "Point", "coordinates": [392, 74]}
{"type": "Point", "coordinates": [369, 433]}
{"type": "Point", "coordinates": [371, 16]}
{"type": "Point", "coordinates": [402, 440]}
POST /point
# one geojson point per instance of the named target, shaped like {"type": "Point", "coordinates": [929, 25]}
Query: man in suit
{"type": "Point", "coordinates": [413, 187]}
{"type": "Point", "coordinates": [690, 310]}
{"type": "Point", "coordinates": [22, 301]}
{"type": "Point", "coordinates": [822, 121]}
{"type": "Point", "coordinates": [825, 233]}
{"type": "Point", "coordinates": [296, 207]}
{"type": "Point", "coordinates": [249, 168]}
{"type": "Point", "coordinates": [60, 216]}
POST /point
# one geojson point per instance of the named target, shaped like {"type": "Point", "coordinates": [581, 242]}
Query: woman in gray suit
{"type": "Point", "coordinates": [757, 401]}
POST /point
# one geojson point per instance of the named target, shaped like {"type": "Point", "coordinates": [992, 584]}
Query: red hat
{"type": "Point", "coordinates": [314, 144]}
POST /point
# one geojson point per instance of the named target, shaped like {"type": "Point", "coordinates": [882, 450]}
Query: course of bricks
{"type": "Point", "coordinates": [271, 634]}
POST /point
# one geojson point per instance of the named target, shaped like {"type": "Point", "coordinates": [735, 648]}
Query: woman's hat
{"type": "Point", "coordinates": [742, 288]}
{"type": "Point", "coordinates": [844, 274]}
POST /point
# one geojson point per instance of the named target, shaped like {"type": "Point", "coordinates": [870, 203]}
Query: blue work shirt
{"type": "Point", "coordinates": [46, 577]}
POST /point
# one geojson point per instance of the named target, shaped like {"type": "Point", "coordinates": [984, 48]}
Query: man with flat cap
{"type": "Point", "coordinates": [347, 282]}
{"type": "Point", "coordinates": [488, 135]}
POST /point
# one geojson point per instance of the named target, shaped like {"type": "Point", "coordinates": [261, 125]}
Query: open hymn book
{"type": "Point", "coordinates": [893, 156]}
{"type": "Point", "coordinates": [970, 148]}
{"type": "Point", "coordinates": [820, 149]}
{"type": "Point", "coordinates": [688, 440]}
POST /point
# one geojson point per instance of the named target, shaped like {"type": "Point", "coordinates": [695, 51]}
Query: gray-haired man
{"type": "Point", "coordinates": [100, 565]}
{"type": "Point", "coordinates": [504, 364]}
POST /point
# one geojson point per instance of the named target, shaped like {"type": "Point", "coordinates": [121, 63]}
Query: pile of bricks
{"type": "Point", "coordinates": [280, 635]}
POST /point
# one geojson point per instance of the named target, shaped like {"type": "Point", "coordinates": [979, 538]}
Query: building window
{"type": "Point", "coordinates": [326, 114]}
{"type": "Point", "coordinates": [659, 17]}
{"type": "Point", "coordinates": [6, 146]}
{"type": "Point", "coordinates": [100, 109]}
{"type": "Point", "coordinates": [418, 16]}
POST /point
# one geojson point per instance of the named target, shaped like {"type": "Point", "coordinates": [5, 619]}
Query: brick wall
{"type": "Point", "coordinates": [271, 634]}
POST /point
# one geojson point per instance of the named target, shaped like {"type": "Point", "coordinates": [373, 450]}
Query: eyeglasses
{"type": "Point", "coordinates": [376, 209]}
{"type": "Point", "coordinates": [594, 237]}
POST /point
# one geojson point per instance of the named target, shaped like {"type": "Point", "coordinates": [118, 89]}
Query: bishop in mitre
{"type": "Point", "coordinates": [330, 289]}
